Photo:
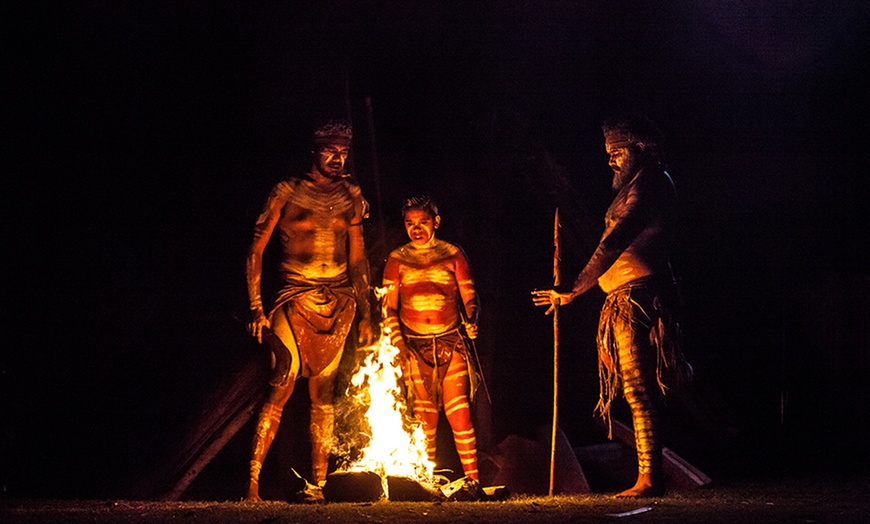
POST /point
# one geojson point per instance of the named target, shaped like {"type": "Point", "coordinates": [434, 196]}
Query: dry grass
{"type": "Point", "coordinates": [807, 500]}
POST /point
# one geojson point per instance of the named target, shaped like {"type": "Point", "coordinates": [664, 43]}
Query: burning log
{"type": "Point", "coordinates": [353, 486]}
{"type": "Point", "coordinates": [368, 486]}
{"type": "Point", "coordinates": [410, 490]}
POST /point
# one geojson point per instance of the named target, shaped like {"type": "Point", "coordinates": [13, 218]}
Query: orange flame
{"type": "Point", "coordinates": [397, 444]}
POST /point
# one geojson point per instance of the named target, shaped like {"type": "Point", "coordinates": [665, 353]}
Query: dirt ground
{"type": "Point", "coordinates": [826, 499]}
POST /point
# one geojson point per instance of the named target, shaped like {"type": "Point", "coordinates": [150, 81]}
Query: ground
{"type": "Point", "coordinates": [818, 499]}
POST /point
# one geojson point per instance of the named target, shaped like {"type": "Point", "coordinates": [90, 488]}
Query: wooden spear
{"type": "Point", "coordinates": [557, 255]}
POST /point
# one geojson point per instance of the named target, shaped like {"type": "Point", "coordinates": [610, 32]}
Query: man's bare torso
{"type": "Point", "coordinates": [648, 252]}
{"type": "Point", "coordinates": [429, 287]}
{"type": "Point", "coordinates": [313, 230]}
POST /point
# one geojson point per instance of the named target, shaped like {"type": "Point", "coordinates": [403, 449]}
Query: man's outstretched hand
{"type": "Point", "coordinates": [551, 298]}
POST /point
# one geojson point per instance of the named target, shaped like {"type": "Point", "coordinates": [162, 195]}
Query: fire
{"type": "Point", "coordinates": [397, 444]}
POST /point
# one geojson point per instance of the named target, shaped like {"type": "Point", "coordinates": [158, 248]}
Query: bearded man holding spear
{"type": "Point", "coordinates": [638, 334]}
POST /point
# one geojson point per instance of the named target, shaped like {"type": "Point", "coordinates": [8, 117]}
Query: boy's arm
{"type": "Point", "coordinates": [391, 305]}
{"type": "Point", "coordinates": [468, 293]}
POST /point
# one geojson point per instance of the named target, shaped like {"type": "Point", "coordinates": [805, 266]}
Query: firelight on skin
{"type": "Point", "coordinates": [638, 334]}
{"type": "Point", "coordinates": [429, 285]}
{"type": "Point", "coordinates": [316, 219]}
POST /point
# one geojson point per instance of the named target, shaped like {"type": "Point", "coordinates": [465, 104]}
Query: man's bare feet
{"type": "Point", "coordinates": [253, 492]}
{"type": "Point", "coordinates": [640, 492]}
{"type": "Point", "coordinates": [644, 487]}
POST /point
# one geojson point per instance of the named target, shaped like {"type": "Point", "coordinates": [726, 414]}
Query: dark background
{"type": "Point", "coordinates": [142, 137]}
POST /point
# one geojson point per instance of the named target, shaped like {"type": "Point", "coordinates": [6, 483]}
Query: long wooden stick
{"type": "Point", "coordinates": [376, 172]}
{"type": "Point", "coordinates": [556, 281]}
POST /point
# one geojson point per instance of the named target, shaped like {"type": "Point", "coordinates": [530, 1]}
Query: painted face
{"type": "Point", "coordinates": [624, 161]}
{"type": "Point", "coordinates": [329, 159]}
{"type": "Point", "coordinates": [420, 226]}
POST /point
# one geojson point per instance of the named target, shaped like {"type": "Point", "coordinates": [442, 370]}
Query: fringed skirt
{"type": "Point", "coordinates": [640, 314]}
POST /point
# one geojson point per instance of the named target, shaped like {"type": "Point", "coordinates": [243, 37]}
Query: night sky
{"type": "Point", "coordinates": [142, 138]}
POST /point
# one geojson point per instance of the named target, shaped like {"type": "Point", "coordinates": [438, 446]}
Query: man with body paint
{"type": "Point", "coordinates": [638, 335]}
{"type": "Point", "coordinates": [317, 220]}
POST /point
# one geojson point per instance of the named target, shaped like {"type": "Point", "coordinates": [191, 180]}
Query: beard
{"type": "Point", "coordinates": [621, 177]}
{"type": "Point", "coordinates": [623, 173]}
